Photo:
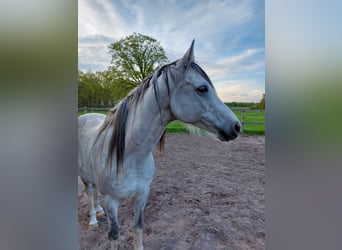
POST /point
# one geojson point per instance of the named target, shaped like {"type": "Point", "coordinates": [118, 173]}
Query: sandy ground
{"type": "Point", "coordinates": [206, 194]}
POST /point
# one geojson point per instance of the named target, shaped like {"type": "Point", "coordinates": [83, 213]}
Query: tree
{"type": "Point", "coordinates": [94, 90]}
{"type": "Point", "coordinates": [134, 58]}
{"type": "Point", "coordinates": [86, 83]}
{"type": "Point", "coordinates": [262, 102]}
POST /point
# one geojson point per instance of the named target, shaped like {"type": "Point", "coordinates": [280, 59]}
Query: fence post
{"type": "Point", "coordinates": [242, 120]}
{"type": "Point", "coordinates": [85, 110]}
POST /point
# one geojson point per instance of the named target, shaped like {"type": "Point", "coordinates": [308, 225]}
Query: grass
{"type": "Point", "coordinates": [250, 116]}
{"type": "Point", "coordinates": [176, 127]}
{"type": "Point", "coordinates": [250, 129]}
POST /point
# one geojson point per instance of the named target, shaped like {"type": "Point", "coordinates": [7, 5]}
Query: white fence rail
{"type": "Point", "coordinates": [243, 116]}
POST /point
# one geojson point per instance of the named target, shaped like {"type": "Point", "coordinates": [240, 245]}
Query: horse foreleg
{"type": "Point", "coordinates": [98, 208]}
{"type": "Point", "coordinates": [114, 245]}
{"type": "Point", "coordinates": [139, 206]}
{"type": "Point", "coordinates": [111, 207]}
{"type": "Point", "coordinates": [138, 239]}
{"type": "Point", "coordinates": [92, 212]}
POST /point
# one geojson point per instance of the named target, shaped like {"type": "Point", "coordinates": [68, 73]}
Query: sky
{"type": "Point", "coordinates": [229, 37]}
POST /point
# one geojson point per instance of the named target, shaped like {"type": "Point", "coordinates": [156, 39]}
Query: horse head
{"type": "Point", "coordinates": [194, 100]}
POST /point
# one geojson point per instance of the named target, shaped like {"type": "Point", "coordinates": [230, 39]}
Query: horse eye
{"type": "Point", "coordinates": [202, 89]}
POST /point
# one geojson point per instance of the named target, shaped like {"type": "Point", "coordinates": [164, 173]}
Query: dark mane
{"type": "Point", "coordinates": [117, 118]}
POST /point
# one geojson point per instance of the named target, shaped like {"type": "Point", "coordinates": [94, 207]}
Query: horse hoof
{"type": "Point", "coordinates": [100, 213]}
{"type": "Point", "coordinates": [92, 226]}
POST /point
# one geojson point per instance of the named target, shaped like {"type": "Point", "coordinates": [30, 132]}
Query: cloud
{"type": "Point", "coordinates": [229, 34]}
{"type": "Point", "coordinates": [100, 17]}
{"type": "Point", "coordinates": [250, 60]}
{"type": "Point", "coordinates": [240, 91]}
{"type": "Point", "coordinates": [174, 24]}
{"type": "Point", "coordinates": [93, 52]}
{"type": "Point", "coordinates": [239, 77]}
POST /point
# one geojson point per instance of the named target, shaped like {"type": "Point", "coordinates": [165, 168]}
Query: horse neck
{"type": "Point", "coordinates": [147, 122]}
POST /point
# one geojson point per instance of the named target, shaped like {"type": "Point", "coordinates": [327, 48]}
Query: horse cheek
{"type": "Point", "coordinates": [186, 108]}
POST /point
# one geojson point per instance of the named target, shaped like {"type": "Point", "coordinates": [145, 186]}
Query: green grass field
{"type": "Point", "coordinates": [250, 116]}
{"type": "Point", "coordinates": [176, 127]}
{"type": "Point", "coordinates": [250, 129]}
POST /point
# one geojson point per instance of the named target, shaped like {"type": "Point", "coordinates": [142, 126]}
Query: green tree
{"type": "Point", "coordinates": [107, 83]}
{"type": "Point", "coordinates": [91, 91]}
{"type": "Point", "coordinates": [262, 102]}
{"type": "Point", "coordinates": [85, 89]}
{"type": "Point", "coordinates": [134, 58]}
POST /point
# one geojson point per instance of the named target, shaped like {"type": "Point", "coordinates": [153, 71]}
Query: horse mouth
{"type": "Point", "coordinates": [223, 136]}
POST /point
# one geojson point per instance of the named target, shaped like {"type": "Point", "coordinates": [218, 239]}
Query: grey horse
{"type": "Point", "coordinates": [115, 151]}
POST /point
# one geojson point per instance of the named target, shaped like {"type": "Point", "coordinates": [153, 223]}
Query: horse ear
{"type": "Point", "coordinates": [188, 57]}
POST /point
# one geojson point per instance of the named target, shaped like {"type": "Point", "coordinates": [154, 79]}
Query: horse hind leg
{"type": "Point", "coordinates": [92, 211]}
{"type": "Point", "coordinates": [111, 207]}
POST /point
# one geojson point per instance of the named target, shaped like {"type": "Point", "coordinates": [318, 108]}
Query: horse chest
{"type": "Point", "coordinates": [132, 182]}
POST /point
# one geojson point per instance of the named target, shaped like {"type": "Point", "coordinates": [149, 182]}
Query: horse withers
{"type": "Point", "coordinates": [115, 151]}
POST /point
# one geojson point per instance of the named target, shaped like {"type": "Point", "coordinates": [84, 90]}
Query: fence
{"type": "Point", "coordinates": [243, 117]}
{"type": "Point", "coordinates": [86, 110]}
{"type": "Point", "coordinates": [249, 117]}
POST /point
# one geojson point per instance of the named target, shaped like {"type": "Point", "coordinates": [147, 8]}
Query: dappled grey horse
{"type": "Point", "coordinates": [115, 151]}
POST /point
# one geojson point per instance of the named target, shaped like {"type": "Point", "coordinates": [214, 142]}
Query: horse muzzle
{"type": "Point", "coordinates": [231, 133]}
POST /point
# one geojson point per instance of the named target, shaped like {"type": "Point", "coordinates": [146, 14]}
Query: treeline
{"type": "Point", "coordinates": [241, 104]}
{"type": "Point", "coordinates": [94, 90]}
{"type": "Point", "coordinates": [249, 105]}
{"type": "Point", "coordinates": [101, 89]}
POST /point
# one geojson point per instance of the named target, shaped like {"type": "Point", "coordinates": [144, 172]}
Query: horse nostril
{"type": "Point", "coordinates": [237, 127]}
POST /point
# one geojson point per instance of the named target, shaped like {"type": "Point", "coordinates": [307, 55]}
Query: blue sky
{"type": "Point", "coordinates": [229, 37]}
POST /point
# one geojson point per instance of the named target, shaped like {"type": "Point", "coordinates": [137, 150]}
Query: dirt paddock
{"type": "Point", "coordinates": [206, 194]}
